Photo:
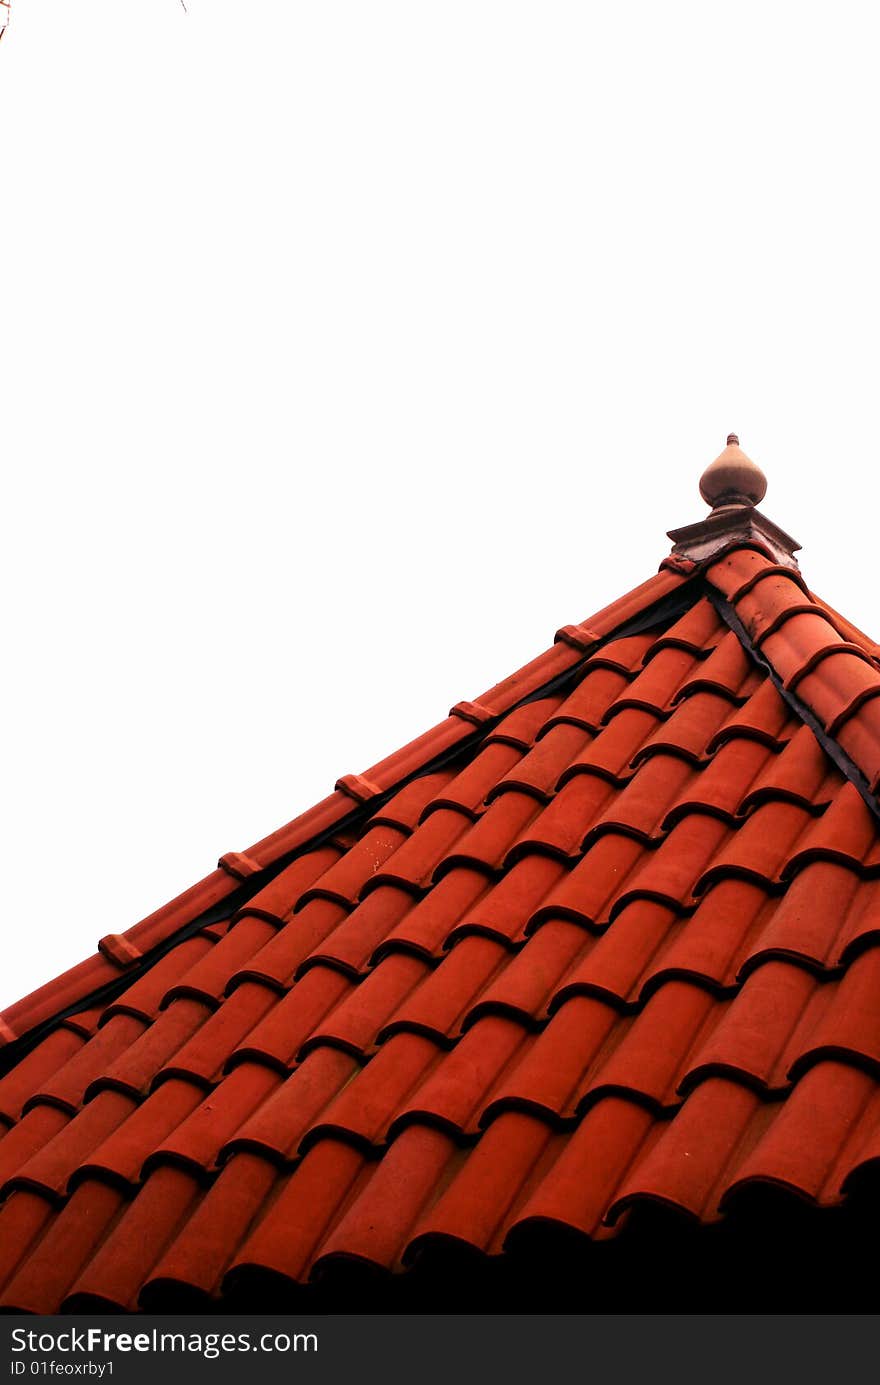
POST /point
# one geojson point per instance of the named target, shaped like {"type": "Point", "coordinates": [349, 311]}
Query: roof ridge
{"type": "Point", "coordinates": [825, 668]}
{"type": "Point", "coordinates": [119, 955]}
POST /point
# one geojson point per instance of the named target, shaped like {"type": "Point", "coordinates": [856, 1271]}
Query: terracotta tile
{"type": "Point", "coordinates": [843, 680]}
{"type": "Point", "coordinates": [486, 844]}
{"type": "Point", "coordinates": [519, 728]}
{"type": "Point", "coordinates": [114, 1276]}
{"type": "Point", "coordinates": [24, 1217]}
{"type": "Point", "coordinates": [45, 1276]}
{"type": "Point", "coordinates": [696, 1158]}
{"type": "Point", "coordinates": [297, 1221]}
{"type": "Point", "coordinates": [612, 617]}
{"type": "Point", "coordinates": [615, 964]}
{"type": "Point", "coordinates": [772, 601]}
{"type": "Point", "coordinates": [282, 894]}
{"type": "Point", "coordinates": [856, 1165]}
{"type": "Point", "coordinates": [278, 1037]}
{"type": "Point", "coordinates": [27, 1137]}
{"type": "Point", "coordinates": [765, 717]}
{"type": "Point", "coordinates": [654, 689]}
{"type": "Point", "coordinates": [67, 1085]}
{"type": "Point", "coordinates": [84, 1022]}
{"type": "Point", "coordinates": [848, 1025]}
{"type": "Point", "coordinates": [845, 628]}
{"type": "Point", "coordinates": [592, 1163]}
{"type": "Point", "coordinates": [443, 1000]}
{"type": "Point", "coordinates": [672, 874]}
{"type": "Point", "coordinates": [292, 1108]}
{"type": "Point", "coordinates": [801, 1146]}
{"type": "Point", "coordinates": [537, 772]}
{"type": "Point", "coordinates": [134, 1070]}
{"type": "Point", "coordinates": [724, 786]}
{"type": "Point", "coordinates": [653, 1050]}
{"type": "Point", "coordinates": [355, 1023]}
{"type": "Point", "coordinates": [763, 1029]}
{"type": "Point", "coordinates": [737, 570]}
{"type": "Point", "coordinates": [624, 947]}
{"type": "Point", "coordinates": [640, 809]}
{"type": "Point", "coordinates": [352, 944]}
{"type": "Point", "coordinates": [861, 921]}
{"type": "Point", "coordinates": [800, 773]}
{"type": "Point", "coordinates": [560, 828]}
{"type": "Point", "coordinates": [36, 1069]}
{"type": "Point", "coordinates": [474, 1206]}
{"type": "Point", "coordinates": [459, 1089]}
{"type": "Point", "coordinates": [345, 880]}
{"type": "Point", "coordinates": [199, 1255]}
{"type": "Point", "coordinates": [378, 1224]}
{"type": "Point", "coordinates": [506, 910]}
{"type": "Point", "coordinates": [526, 984]}
{"type": "Point", "coordinates": [551, 1072]}
{"type": "Point", "coordinates": [531, 678]}
{"type": "Point", "coordinates": [301, 831]}
{"type": "Point", "coordinates": [626, 654]}
{"type": "Point", "coordinates": [698, 631]}
{"type": "Point", "coordinates": [586, 706]}
{"type": "Point", "coordinates": [413, 864]}
{"type": "Point", "coordinates": [612, 753]}
{"type": "Point", "coordinates": [407, 807]}
{"type": "Point", "coordinates": [123, 1152]}
{"type": "Point", "coordinates": [719, 937]}
{"type": "Point", "coordinates": [587, 892]}
{"type": "Point", "coordinates": [427, 926]}
{"type": "Point", "coordinates": [144, 997]}
{"type": "Point", "coordinates": [689, 730]}
{"type": "Point", "coordinates": [195, 1142]}
{"type": "Point", "coordinates": [76, 985]}
{"type": "Point", "coordinates": [277, 962]}
{"type": "Point", "coordinates": [468, 790]}
{"type": "Point", "coordinates": [860, 738]}
{"type": "Point", "coordinates": [812, 919]}
{"type": "Point", "coordinates": [762, 848]}
{"type": "Point", "coordinates": [413, 758]}
{"type": "Point", "coordinates": [363, 1107]}
{"type": "Point", "coordinates": [729, 673]}
{"type": "Point", "coordinates": [845, 833]}
{"type": "Point", "coordinates": [793, 646]}
{"type": "Point", "coordinates": [51, 1167]}
{"type": "Point", "coordinates": [210, 976]}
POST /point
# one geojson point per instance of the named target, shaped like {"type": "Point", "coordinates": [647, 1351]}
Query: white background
{"type": "Point", "coordinates": [349, 349]}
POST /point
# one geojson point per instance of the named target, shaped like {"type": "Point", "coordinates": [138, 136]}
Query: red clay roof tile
{"type": "Point", "coordinates": [621, 950]}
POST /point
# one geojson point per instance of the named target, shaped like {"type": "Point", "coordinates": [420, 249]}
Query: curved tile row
{"type": "Point", "coordinates": [639, 904]}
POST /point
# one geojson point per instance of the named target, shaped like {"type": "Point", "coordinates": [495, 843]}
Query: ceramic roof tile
{"type": "Point", "coordinates": [605, 938]}
{"type": "Point", "coordinates": [476, 1203]}
{"type": "Point", "coordinates": [113, 1277]}
{"type": "Point", "coordinates": [280, 958]}
{"type": "Point", "coordinates": [580, 1185]}
{"type": "Point", "coordinates": [428, 925]}
{"type": "Point", "coordinates": [801, 1146]}
{"type": "Point", "coordinates": [352, 943]}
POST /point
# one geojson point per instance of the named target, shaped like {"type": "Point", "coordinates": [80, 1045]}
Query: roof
{"type": "Point", "coordinates": [596, 955]}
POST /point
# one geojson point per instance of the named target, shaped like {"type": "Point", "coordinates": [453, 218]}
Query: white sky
{"type": "Point", "coordinates": [350, 349]}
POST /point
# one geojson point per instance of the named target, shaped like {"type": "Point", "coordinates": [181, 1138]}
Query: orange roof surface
{"type": "Point", "coordinates": [601, 946]}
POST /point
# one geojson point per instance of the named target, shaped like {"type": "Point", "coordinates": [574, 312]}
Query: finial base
{"type": "Point", "coordinates": [732, 526]}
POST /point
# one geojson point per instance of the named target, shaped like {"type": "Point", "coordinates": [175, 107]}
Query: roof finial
{"type": "Point", "coordinates": [733, 478]}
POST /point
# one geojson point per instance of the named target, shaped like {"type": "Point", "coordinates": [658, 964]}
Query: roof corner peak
{"type": "Point", "coordinates": [733, 485]}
